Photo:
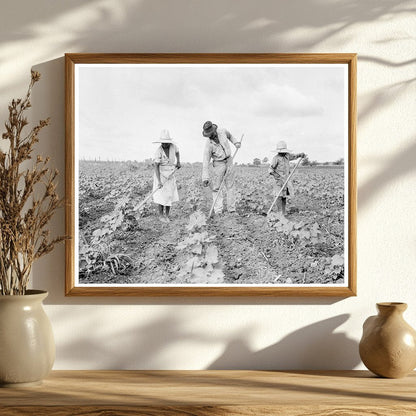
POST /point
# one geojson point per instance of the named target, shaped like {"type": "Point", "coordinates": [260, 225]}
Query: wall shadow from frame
{"type": "Point", "coordinates": [53, 71]}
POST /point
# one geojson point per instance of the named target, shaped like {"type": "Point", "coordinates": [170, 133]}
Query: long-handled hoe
{"type": "Point", "coordinates": [223, 180]}
{"type": "Point", "coordinates": [137, 207]}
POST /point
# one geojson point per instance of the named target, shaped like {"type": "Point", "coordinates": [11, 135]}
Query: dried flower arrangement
{"type": "Point", "coordinates": [28, 199]}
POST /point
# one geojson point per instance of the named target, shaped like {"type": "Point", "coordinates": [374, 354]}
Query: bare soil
{"type": "Point", "coordinates": [250, 249]}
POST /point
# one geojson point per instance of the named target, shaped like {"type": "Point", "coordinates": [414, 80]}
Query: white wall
{"type": "Point", "coordinates": [197, 333]}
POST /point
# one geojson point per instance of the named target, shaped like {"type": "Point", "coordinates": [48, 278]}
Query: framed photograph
{"type": "Point", "coordinates": [211, 174]}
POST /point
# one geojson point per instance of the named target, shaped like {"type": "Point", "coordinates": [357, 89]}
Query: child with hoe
{"type": "Point", "coordinates": [279, 169]}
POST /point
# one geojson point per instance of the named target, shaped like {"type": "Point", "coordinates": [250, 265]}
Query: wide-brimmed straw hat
{"type": "Point", "coordinates": [281, 147]}
{"type": "Point", "coordinates": [164, 137]}
{"type": "Point", "coordinates": [208, 128]}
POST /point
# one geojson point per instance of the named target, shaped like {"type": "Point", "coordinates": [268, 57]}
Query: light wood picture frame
{"type": "Point", "coordinates": [119, 105]}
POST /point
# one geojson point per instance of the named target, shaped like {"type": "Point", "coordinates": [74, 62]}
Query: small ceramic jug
{"type": "Point", "coordinates": [388, 345]}
{"type": "Point", "coordinates": [27, 347]}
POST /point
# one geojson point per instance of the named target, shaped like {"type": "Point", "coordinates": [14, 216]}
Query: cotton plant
{"type": "Point", "coordinates": [203, 264]}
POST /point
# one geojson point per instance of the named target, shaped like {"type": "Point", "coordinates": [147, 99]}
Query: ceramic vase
{"type": "Point", "coordinates": [27, 347]}
{"type": "Point", "coordinates": [388, 345]}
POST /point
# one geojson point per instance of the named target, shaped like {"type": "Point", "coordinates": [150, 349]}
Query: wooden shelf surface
{"type": "Point", "coordinates": [202, 393]}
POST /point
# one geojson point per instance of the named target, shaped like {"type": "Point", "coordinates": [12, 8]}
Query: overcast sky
{"type": "Point", "coordinates": [123, 108]}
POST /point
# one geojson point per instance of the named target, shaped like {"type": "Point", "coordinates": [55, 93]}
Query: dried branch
{"type": "Point", "coordinates": [23, 218]}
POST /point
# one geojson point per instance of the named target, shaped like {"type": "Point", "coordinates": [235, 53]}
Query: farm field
{"type": "Point", "coordinates": [119, 243]}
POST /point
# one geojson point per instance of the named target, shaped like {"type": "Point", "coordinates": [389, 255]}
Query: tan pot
{"type": "Point", "coordinates": [27, 347]}
{"type": "Point", "coordinates": [388, 345]}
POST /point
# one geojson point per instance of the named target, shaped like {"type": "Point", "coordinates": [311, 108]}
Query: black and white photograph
{"type": "Point", "coordinates": [211, 175]}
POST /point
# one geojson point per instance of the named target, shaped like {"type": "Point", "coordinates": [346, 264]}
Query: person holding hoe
{"type": "Point", "coordinates": [279, 169]}
{"type": "Point", "coordinates": [217, 148]}
{"type": "Point", "coordinates": [166, 161]}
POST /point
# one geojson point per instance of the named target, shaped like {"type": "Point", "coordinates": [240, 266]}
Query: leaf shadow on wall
{"type": "Point", "coordinates": [242, 28]}
{"type": "Point", "coordinates": [152, 345]}
{"type": "Point", "coordinates": [394, 168]}
{"type": "Point", "coordinates": [215, 26]}
{"type": "Point", "coordinates": [315, 346]}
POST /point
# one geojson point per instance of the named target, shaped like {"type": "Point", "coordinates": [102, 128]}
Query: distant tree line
{"type": "Point", "coordinates": [305, 162]}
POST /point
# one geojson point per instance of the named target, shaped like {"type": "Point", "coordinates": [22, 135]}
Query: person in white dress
{"type": "Point", "coordinates": [166, 161]}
